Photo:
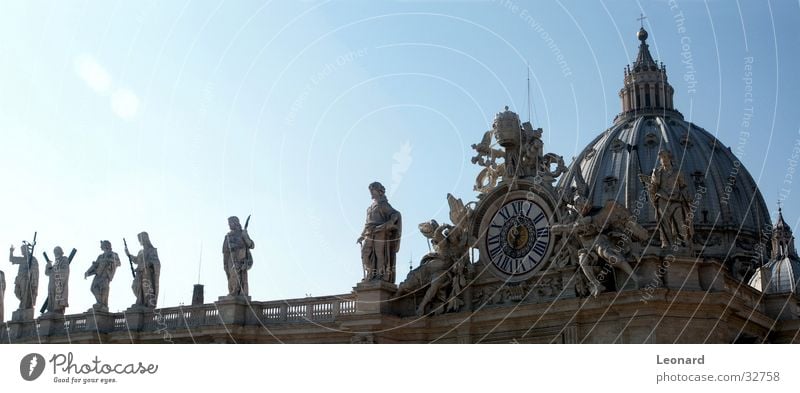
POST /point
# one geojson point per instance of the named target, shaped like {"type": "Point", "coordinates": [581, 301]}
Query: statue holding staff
{"type": "Point", "coordinates": [148, 270]}
{"type": "Point", "coordinates": [26, 284]}
{"type": "Point", "coordinates": [237, 257]}
{"type": "Point", "coordinates": [58, 287]}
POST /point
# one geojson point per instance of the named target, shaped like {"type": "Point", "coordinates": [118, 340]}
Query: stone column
{"type": "Point", "coordinates": [641, 97]}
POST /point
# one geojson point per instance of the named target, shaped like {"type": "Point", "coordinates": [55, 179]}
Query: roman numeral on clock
{"type": "Point", "coordinates": [503, 213]}
{"type": "Point", "coordinates": [494, 251]}
{"type": "Point", "coordinates": [517, 207]}
{"type": "Point", "coordinates": [543, 232]}
{"type": "Point", "coordinates": [539, 248]}
{"type": "Point", "coordinates": [505, 263]}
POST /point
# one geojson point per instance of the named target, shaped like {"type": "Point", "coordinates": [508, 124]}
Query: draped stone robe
{"type": "Point", "coordinates": [381, 241]}
{"type": "Point", "coordinates": [237, 261]}
{"type": "Point", "coordinates": [58, 287]}
{"type": "Point", "coordinates": [2, 295]}
{"type": "Point", "coordinates": [26, 284]}
{"type": "Point", "coordinates": [671, 205]}
{"type": "Point", "coordinates": [145, 284]}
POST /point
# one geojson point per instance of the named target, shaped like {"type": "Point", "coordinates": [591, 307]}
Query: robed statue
{"type": "Point", "coordinates": [237, 259]}
{"type": "Point", "coordinates": [26, 284]}
{"type": "Point", "coordinates": [380, 239]}
{"type": "Point", "coordinates": [58, 285]}
{"type": "Point", "coordinates": [2, 295]}
{"type": "Point", "coordinates": [669, 196]}
{"type": "Point", "coordinates": [146, 274]}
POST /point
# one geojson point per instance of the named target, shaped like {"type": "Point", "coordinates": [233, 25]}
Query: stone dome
{"type": "Point", "coordinates": [778, 276]}
{"type": "Point", "coordinates": [782, 273]}
{"type": "Point", "coordinates": [729, 213]}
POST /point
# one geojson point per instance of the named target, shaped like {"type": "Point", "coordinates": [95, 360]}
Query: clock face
{"type": "Point", "coordinates": [518, 237]}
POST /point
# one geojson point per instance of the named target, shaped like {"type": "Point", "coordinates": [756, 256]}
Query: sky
{"type": "Point", "coordinates": [118, 117]}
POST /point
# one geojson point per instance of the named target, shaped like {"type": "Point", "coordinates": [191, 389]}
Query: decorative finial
{"type": "Point", "coordinates": [506, 107]}
{"type": "Point", "coordinates": [642, 34]}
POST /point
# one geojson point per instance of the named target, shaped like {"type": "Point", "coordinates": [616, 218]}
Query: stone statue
{"type": "Point", "coordinates": [604, 234]}
{"type": "Point", "coordinates": [522, 153]}
{"type": "Point", "coordinates": [487, 157]}
{"type": "Point", "coordinates": [2, 296]}
{"type": "Point", "coordinates": [103, 270]}
{"type": "Point", "coordinates": [237, 257]}
{"type": "Point", "coordinates": [58, 287]}
{"type": "Point", "coordinates": [670, 199]}
{"type": "Point", "coordinates": [442, 272]}
{"type": "Point", "coordinates": [148, 269]}
{"type": "Point", "coordinates": [380, 239]}
{"type": "Point", "coordinates": [26, 285]}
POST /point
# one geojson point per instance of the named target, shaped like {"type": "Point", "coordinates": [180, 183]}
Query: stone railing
{"type": "Point", "coordinates": [224, 312]}
{"type": "Point", "coordinates": [318, 309]}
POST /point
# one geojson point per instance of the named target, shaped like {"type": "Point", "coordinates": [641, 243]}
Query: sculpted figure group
{"type": "Point", "coordinates": [589, 235]}
{"type": "Point", "coordinates": [522, 153]}
{"type": "Point", "coordinates": [145, 269]}
{"type": "Point", "coordinates": [442, 272]}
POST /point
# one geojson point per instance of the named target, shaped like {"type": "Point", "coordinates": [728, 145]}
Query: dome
{"type": "Point", "coordinates": [782, 273]}
{"type": "Point", "coordinates": [778, 276]}
{"type": "Point", "coordinates": [728, 211]}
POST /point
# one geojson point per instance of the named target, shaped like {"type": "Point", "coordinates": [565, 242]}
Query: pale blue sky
{"type": "Point", "coordinates": [169, 116]}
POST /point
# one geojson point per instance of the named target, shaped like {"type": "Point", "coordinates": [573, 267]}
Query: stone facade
{"type": "Point", "coordinates": [565, 255]}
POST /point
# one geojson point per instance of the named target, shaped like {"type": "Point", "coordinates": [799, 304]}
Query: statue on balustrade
{"type": "Point", "coordinates": [380, 239]}
{"type": "Point", "coordinates": [58, 287]}
{"type": "Point", "coordinates": [442, 272]}
{"type": "Point", "coordinates": [103, 270]}
{"type": "Point", "coordinates": [237, 258]}
{"type": "Point", "coordinates": [2, 295]}
{"type": "Point", "coordinates": [669, 196]}
{"type": "Point", "coordinates": [146, 276]}
{"type": "Point", "coordinates": [26, 284]}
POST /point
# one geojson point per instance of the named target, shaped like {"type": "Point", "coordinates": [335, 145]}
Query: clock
{"type": "Point", "coordinates": [515, 238]}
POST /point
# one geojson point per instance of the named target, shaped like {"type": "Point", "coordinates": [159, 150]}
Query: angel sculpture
{"type": "Point", "coordinates": [599, 233]}
{"type": "Point", "coordinates": [487, 157]}
{"type": "Point", "coordinates": [442, 271]}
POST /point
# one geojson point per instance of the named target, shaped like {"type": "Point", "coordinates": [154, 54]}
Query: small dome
{"type": "Point", "coordinates": [778, 276]}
